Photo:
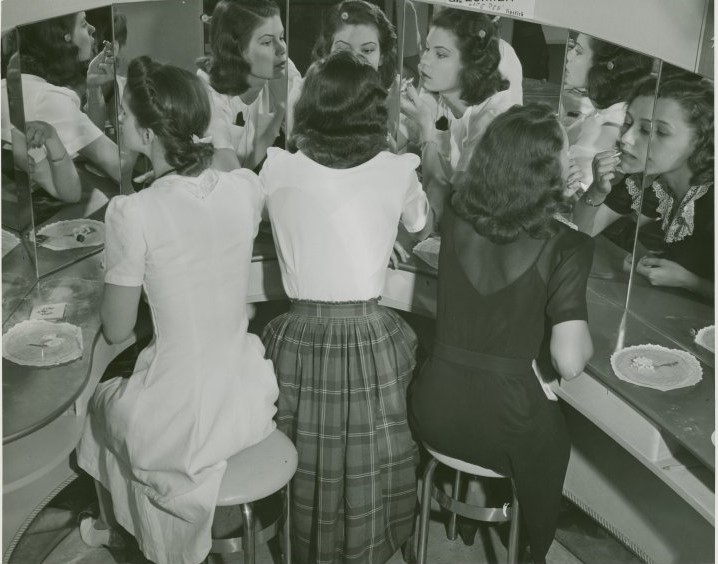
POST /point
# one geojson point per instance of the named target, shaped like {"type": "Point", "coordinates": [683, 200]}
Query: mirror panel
{"type": "Point", "coordinates": [19, 267]}
{"type": "Point", "coordinates": [68, 84]}
{"type": "Point", "coordinates": [675, 250]}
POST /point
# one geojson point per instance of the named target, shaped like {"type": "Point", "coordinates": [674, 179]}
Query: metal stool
{"type": "Point", "coordinates": [253, 474]}
{"type": "Point", "coordinates": [456, 507]}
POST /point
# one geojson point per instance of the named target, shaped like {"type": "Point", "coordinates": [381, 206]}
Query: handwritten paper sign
{"type": "Point", "coordinates": [513, 8]}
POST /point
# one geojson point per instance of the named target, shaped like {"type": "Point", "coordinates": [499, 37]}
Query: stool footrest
{"type": "Point", "coordinates": [487, 514]}
{"type": "Point", "coordinates": [234, 544]}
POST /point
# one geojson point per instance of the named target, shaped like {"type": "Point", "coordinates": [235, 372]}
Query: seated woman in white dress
{"type": "Point", "coordinates": [607, 74]}
{"type": "Point", "coordinates": [201, 391]}
{"type": "Point", "coordinates": [247, 76]}
{"type": "Point", "coordinates": [461, 68]}
{"type": "Point", "coordinates": [51, 60]}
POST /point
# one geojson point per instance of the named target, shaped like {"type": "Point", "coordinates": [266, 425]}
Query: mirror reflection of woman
{"type": "Point", "coordinates": [678, 158]}
{"type": "Point", "coordinates": [51, 58]}
{"type": "Point", "coordinates": [247, 75]}
{"type": "Point", "coordinates": [605, 75]}
{"type": "Point", "coordinates": [460, 68]}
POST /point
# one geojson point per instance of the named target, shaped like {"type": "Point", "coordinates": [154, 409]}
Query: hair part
{"type": "Point", "coordinates": [359, 12]}
{"type": "Point", "coordinates": [45, 52]}
{"type": "Point", "coordinates": [340, 119]}
{"type": "Point", "coordinates": [174, 104]}
{"type": "Point", "coordinates": [614, 73]}
{"type": "Point", "coordinates": [478, 43]}
{"type": "Point", "coordinates": [231, 28]}
{"type": "Point", "coordinates": [505, 194]}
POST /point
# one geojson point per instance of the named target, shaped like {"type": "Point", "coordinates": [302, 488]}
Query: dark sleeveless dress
{"type": "Point", "coordinates": [477, 397]}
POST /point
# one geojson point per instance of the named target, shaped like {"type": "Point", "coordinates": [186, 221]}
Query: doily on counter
{"type": "Point", "coordinates": [657, 367]}
{"type": "Point", "coordinates": [706, 338]}
{"type": "Point", "coordinates": [36, 342]}
{"type": "Point", "coordinates": [71, 234]}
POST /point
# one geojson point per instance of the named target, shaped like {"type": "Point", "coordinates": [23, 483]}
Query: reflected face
{"type": "Point", "coordinates": [440, 65]}
{"type": "Point", "coordinates": [669, 148]}
{"type": "Point", "coordinates": [578, 62]}
{"type": "Point", "coordinates": [130, 131]}
{"type": "Point", "coordinates": [267, 52]}
{"type": "Point", "coordinates": [362, 40]}
{"type": "Point", "coordinates": [82, 36]}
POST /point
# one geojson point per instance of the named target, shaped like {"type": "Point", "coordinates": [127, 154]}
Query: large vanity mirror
{"type": "Point", "coordinates": [19, 269]}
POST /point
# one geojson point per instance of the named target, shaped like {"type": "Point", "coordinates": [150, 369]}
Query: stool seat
{"type": "Point", "coordinates": [258, 471]}
{"type": "Point", "coordinates": [463, 466]}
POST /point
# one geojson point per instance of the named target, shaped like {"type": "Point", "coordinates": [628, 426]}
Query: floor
{"type": "Point", "coordinates": [53, 538]}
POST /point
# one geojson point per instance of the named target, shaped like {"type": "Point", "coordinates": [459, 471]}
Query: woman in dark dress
{"type": "Point", "coordinates": [509, 276]}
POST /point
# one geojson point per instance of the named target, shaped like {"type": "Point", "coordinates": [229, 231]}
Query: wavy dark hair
{"type": "Point", "coordinates": [45, 52]}
{"type": "Point", "coordinates": [694, 95]}
{"type": "Point", "coordinates": [359, 12]}
{"type": "Point", "coordinates": [174, 104]}
{"type": "Point", "coordinates": [340, 119]}
{"type": "Point", "coordinates": [614, 73]}
{"type": "Point", "coordinates": [478, 43]}
{"type": "Point", "coordinates": [119, 28]}
{"type": "Point", "coordinates": [231, 28]}
{"type": "Point", "coordinates": [506, 193]}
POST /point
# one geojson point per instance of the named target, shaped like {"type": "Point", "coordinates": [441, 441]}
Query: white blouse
{"type": "Point", "coordinates": [56, 105]}
{"type": "Point", "coordinates": [335, 228]}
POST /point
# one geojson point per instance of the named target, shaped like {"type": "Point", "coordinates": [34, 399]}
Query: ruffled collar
{"type": "Point", "coordinates": [199, 186]}
{"type": "Point", "coordinates": [675, 226]}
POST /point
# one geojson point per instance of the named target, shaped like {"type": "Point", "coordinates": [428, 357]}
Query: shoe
{"type": "Point", "coordinates": [96, 538]}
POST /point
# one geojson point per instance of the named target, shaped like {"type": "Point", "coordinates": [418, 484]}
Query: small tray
{"type": "Point", "coordinates": [706, 338]}
{"type": "Point", "coordinates": [71, 234]}
{"type": "Point", "coordinates": [657, 367]}
{"type": "Point", "coordinates": [36, 342]}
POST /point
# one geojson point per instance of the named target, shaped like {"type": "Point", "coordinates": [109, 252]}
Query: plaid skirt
{"type": "Point", "coordinates": [343, 371]}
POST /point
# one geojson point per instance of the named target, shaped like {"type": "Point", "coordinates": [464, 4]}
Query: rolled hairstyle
{"type": "Point", "coordinates": [45, 51]}
{"type": "Point", "coordinates": [506, 193]}
{"type": "Point", "coordinates": [341, 116]}
{"type": "Point", "coordinates": [231, 28]}
{"type": "Point", "coordinates": [174, 104]}
{"type": "Point", "coordinates": [478, 44]}
{"type": "Point", "coordinates": [359, 12]}
{"type": "Point", "coordinates": [614, 73]}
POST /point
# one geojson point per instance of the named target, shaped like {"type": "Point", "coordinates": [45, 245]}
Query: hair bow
{"type": "Point", "coordinates": [196, 140]}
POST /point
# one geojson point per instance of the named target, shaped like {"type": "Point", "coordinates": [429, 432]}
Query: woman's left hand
{"type": "Point", "coordinates": [398, 255]}
{"type": "Point", "coordinates": [664, 272]}
{"type": "Point", "coordinates": [416, 109]}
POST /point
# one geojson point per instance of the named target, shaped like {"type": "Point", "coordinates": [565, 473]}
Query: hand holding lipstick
{"type": "Point", "coordinates": [605, 166]}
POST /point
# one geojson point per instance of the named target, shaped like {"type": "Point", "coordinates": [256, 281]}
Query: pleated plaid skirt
{"type": "Point", "coordinates": [343, 371]}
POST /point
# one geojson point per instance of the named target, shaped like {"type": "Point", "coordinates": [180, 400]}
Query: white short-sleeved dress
{"type": "Point", "coordinates": [56, 105]}
{"type": "Point", "coordinates": [235, 125]}
{"type": "Point", "coordinates": [202, 390]}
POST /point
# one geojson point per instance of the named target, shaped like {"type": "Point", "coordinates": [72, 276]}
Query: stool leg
{"type": "Point", "coordinates": [248, 537]}
{"type": "Point", "coordinates": [426, 489]}
{"type": "Point", "coordinates": [287, 544]}
{"type": "Point", "coordinates": [451, 531]}
{"type": "Point", "coordinates": [513, 556]}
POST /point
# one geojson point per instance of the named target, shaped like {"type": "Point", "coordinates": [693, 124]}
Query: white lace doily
{"type": "Point", "coordinates": [71, 234]}
{"type": "Point", "coordinates": [657, 367]}
{"type": "Point", "coordinates": [36, 342]}
{"type": "Point", "coordinates": [706, 338]}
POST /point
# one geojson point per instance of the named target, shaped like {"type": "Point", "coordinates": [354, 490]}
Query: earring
{"type": "Point", "coordinates": [67, 37]}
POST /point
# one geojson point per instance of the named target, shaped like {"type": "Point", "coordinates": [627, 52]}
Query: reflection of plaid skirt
{"type": "Point", "coordinates": [343, 370]}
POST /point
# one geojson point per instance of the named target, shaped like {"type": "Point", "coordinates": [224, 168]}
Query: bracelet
{"type": "Point", "coordinates": [589, 202]}
{"type": "Point", "coordinates": [56, 161]}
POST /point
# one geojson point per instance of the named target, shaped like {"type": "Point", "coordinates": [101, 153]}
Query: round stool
{"type": "Point", "coordinates": [509, 512]}
{"type": "Point", "coordinates": [253, 474]}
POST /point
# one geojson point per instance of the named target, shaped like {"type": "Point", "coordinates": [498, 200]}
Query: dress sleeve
{"type": "Point", "coordinates": [62, 110]}
{"type": "Point", "coordinates": [249, 182]}
{"type": "Point", "coordinates": [125, 244]}
{"type": "Point", "coordinates": [568, 279]}
{"type": "Point", "coordinates": [415, 209]}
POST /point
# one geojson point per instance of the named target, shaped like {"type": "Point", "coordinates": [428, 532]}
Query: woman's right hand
{"type": "Point", "coordinates": [101, 69]}
{"type": "Point", "coordinates": [38, 133]}
{"type": "Point", "coordinates": [417, 110]}
{"type": "Point", "coordinates": [604, 170]}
